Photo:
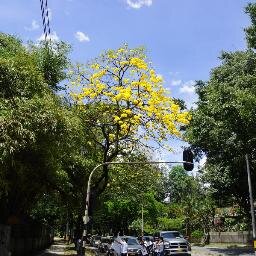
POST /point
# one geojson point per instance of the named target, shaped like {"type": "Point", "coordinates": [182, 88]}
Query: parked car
{"type": "Point", "coordinates": [134, 247]}
{"type": "Point", "coordinates": [174, 243]}
{"type": "Point", "coordinates": [95, 241]}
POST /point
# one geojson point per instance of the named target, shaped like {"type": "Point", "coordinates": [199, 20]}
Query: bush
{"type": "Point", "coordinates": [197, 234]}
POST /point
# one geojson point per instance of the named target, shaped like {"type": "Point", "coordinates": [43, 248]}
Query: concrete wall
{"type": "Point", "coordinates": [19, 240]}
{"type": "Point", "coordinates": [231, 237]}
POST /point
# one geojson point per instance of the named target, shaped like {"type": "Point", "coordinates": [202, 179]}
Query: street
{"type": "Point", "coordinates": [220, 251]}
{"type": "Point", "coordinates": [61, 248]}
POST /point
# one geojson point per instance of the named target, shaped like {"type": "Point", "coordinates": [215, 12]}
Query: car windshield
{"type": "Point", "coordinates": [132, 241]}
{"type": "Point", "coordinates": [148, 238]}
{"type": "Point", "coordinates": [171, 235]}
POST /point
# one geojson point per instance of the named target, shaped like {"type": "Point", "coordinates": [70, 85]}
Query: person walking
{"type": "Point", "coordinates": [144, 249]}
{"type": "Point", "coordinates": [156, 247]}
{"type": "Point", "coordinates": [124, 248]}
{"type": "Point", "coordinates": [161, 246]}
{"type": "Point", "coordinates": [149, 245]}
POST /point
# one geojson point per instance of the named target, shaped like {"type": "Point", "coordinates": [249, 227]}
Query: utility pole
{"type": "Point", "coordinates": [142, 220]}
{"type": "Point", "coordinates": [251, 201]}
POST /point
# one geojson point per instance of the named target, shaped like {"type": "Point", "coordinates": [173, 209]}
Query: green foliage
{"type": "Point", "coordinates": [129, 188]}
{"type": "Point", "coordinates": [251, 30]}
{"type": "Point", "coordinates": [39, 132]}
{"type": "Point", "coordinates": [165, 223]}
{"type": "Point", "coordinates": [223, 125]}
{"type": "Point", "coordinates": [197, 234]}
{"type": "Point", "coordinates": [180, 184]}
{"type": "Point", "coordinates": [52, 62]}
{"type": "Point", "coordinates": [190, 201]}
{"type": "Point", "coordinates": [235, 224]}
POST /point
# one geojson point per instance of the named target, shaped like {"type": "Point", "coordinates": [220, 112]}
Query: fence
{"type": "Point", "coordinates": [21, 240]}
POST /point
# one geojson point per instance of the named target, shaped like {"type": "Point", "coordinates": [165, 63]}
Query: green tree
{"type": "Point", "coordinates": [130, 188]}
{"type": "Point", "coordinates": [251, 30]}
{"type": "Point", "coordinates": [223, 127]}
{"type": "Point", "coordinates": [122, 103]}
{"type": "Point", "coordinates": [191, 204]}
{"type": "Point", "coordinates": [38, 130]}
{"type": "Point", "coordinates": [223, 124]}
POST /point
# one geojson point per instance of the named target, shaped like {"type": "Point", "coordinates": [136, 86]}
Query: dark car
{"type": "Point", "coordinates": [174, 243]}
{"type": "Point", "coordinates": [134, 247]}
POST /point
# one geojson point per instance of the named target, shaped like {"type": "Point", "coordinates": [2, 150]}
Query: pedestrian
{"type": "Point", "coordinates": [149, 245]}
{"type": "Point", "coordinates": [155, 246]}
{"type": "Point", "coordinates": [124, 248]}
{"type": "Point", "coordinates": [116, 246]}
{"type": "Point", "coordinates": [144, 249]}
{"type": "Point", "coordinates": [161, 246]}
{"type": "Point", "coordinates": [79, 247]}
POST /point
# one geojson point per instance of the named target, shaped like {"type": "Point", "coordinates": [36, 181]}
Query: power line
{"type": "Point", "coordinates": [45, 19]}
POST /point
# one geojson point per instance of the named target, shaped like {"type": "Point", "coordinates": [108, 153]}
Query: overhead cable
{"type": "Point", "coordinates": [46, 19]}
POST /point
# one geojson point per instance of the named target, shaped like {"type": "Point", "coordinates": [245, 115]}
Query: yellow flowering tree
{"type": "Point", "coordinates": [123, 101]}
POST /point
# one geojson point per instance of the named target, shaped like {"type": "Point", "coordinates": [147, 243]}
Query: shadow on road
{"type": "Point", "coordinates": [60, 247]}
{"type": "Point", "coordinates": [232, 251]}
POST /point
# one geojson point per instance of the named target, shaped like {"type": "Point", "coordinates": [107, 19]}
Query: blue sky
{"type": "Point", "coordinates": [183, 37]}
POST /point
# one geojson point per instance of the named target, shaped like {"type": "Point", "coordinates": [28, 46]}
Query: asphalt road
{"type": "Point", "coordinates": [218, 251]}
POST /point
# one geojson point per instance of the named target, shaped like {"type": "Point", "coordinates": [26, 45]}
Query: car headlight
{"type": "Point", "coordinates": [166, 245]}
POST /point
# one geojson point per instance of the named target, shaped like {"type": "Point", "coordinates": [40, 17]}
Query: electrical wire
{"type": "Point", "coordinates": [45, 19]}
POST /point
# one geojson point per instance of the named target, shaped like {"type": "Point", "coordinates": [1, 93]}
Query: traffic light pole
{"type": "Point", "coordinates": [86, 214]}
{"type": "Point", "coordinates": [251, 201]}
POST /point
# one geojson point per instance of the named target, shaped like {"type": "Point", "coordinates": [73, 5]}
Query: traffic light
{"type": "Point", "coordinates": [188, 158]}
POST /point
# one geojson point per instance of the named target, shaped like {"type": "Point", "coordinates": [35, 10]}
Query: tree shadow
{"type": "Point", "coordinates": [233, 251]}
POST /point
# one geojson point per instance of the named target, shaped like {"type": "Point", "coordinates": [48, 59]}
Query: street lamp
{"type": "Point", "coordinates": [86, 214]}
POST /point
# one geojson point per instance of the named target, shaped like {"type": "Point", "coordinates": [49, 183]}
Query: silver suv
{"type": "Point", "coordinates": [175, 243]}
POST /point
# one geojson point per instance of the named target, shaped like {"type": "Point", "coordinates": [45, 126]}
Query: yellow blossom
{"type": "Point", "coordinates": [111, 137]}
{"type": "Point", "coordinates": [139, 63]}
{"type": "Point", "coordinates": [123, 115]}
{"type": "Point", "coordinates": [95, 66]}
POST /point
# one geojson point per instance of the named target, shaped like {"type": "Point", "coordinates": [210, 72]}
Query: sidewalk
{"type": "Point", "coordinates": [59, 247]}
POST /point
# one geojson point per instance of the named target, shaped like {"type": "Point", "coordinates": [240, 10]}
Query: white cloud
{"type": "Point", "coordinates": [188, 87]}
{"type": "Point", "coordinates": [53, 36]}
{"type": "Point", "coordinates": [175, 82]}
{"type": "Point", "coordinates": [137, 4]}
{"type": "Point", "coordinates": [34, 26]}
{"type": "Point", "coordinates": [81, 37]}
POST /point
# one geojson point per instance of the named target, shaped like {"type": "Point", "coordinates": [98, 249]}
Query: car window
{"type": "Point", "coordinates": [132, 241]}
{"type": "Point", "coordinates": [167, 235]}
